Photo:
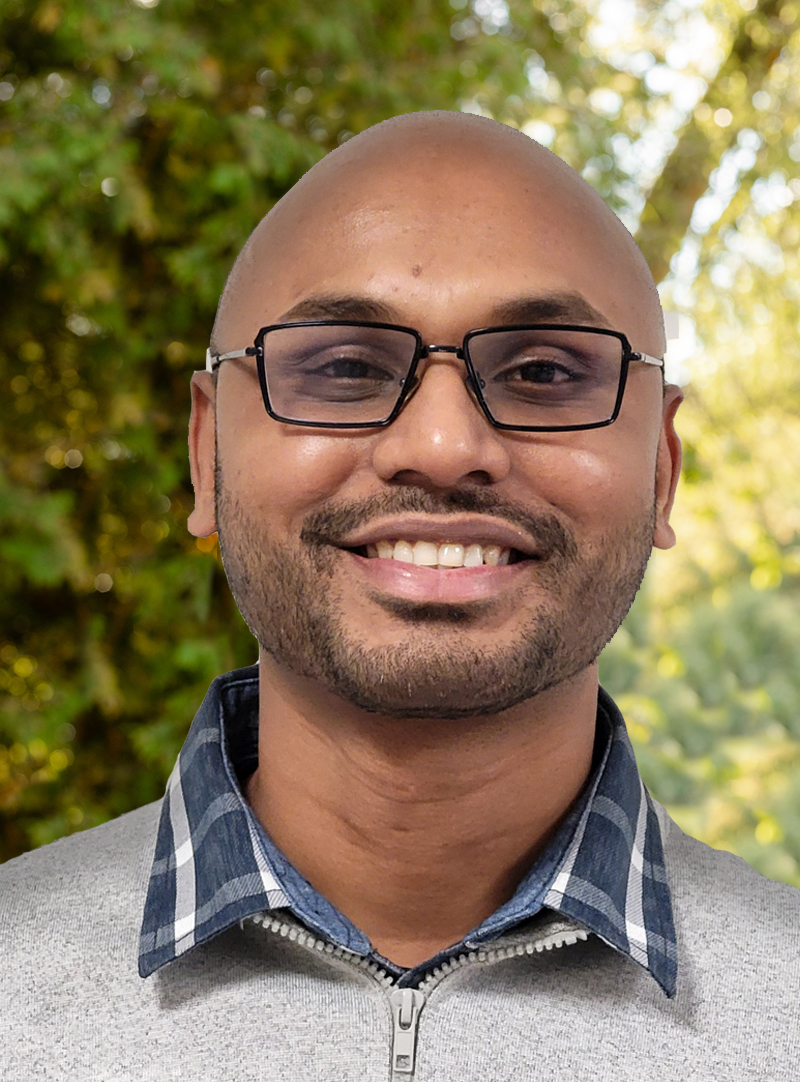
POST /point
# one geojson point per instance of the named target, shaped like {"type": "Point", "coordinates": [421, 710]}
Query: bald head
{"type": "Point", "coordinates": [442, 181]}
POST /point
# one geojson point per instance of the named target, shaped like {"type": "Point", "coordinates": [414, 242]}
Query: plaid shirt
{"type": "Point", "coordinates": [215, 865]}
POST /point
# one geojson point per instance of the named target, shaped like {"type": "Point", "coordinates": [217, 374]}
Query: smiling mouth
{"type": "Point", "coordinates": [444, 556]}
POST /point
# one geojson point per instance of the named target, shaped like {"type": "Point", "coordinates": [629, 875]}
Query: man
{"type": "Point", "coordinates": [413, 842]}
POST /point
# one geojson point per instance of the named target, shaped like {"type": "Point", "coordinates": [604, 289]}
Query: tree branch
{"type": "Point", "coordinates": [761, 35]}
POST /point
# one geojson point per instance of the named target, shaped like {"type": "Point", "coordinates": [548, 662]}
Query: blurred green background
{"type": "Point", "coordinates": [140, 142]}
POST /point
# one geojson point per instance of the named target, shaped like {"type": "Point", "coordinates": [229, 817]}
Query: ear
{"type": "Point", "coordinates": [202, 454]}
{"type": "Point", "coordinates": [668, 468]}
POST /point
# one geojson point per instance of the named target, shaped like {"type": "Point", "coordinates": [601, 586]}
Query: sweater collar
{"type": "Point", "coordinates": [215, 865]}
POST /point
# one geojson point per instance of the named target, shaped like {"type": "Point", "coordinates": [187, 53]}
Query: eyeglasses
{"type": "Point", "coordinates": [540, 377]}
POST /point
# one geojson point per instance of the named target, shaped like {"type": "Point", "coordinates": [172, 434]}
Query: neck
{"type": "Point", "coordinates": [417, 830]}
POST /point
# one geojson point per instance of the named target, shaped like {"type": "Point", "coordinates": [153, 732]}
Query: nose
{"type": "Point", "coordinates": [441, 438]}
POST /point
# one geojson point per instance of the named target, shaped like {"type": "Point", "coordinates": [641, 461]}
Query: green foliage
{"type": "Point", "coordinates": [709, 690]}
{"type": "Point", "coordinates": [139, 145]}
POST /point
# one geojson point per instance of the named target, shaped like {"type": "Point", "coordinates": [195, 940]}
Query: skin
{"type": "Point", "coordinates": [419, 828]}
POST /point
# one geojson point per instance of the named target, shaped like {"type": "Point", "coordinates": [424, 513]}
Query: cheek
{"type": "Point", "coordinates": [285, 472]}
{"type": "Point", "coordinates": [605, 477]}
{"type": "Point", "coordinates": [594, 485]}
{"type": "Point", "coordinates": [279, 471]}
{"type": "Point", "coordinates": [312, 468]}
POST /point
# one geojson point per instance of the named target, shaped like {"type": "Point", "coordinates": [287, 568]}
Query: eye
{"type": "Point", "coordinates": [351, 368]}
{"type": "Point", "coordinates": [541, 372]}
{"type": "Point", "coordinates": [543, 365]}
{"type": "Point", "coordinates": [343, 375]}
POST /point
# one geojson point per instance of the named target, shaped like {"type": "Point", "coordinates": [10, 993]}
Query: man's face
{"type": "Point", "coordinates": [442, 254]}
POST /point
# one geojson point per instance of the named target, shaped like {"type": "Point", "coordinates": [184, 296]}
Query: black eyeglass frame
{"type": "Point", "coordinates": [411, 383]}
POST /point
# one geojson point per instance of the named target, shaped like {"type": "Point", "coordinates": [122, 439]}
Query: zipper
{"type": "Point", "coordinates": [310, 941]}
{"type": "Point", "coordinates": [407, 1003]}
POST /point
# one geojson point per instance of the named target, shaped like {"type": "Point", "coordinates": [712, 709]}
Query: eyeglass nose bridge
{"type": "Point", "coordinates": [473, 381]}
{"type": "Point", "coordinates": [426, 350]}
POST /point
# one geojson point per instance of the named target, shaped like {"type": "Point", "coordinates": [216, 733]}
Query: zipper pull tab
{"type": "Point", "coordinates": [406, 1005]}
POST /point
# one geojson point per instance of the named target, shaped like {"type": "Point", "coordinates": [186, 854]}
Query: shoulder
{"type": "Point", "coordinates": [738, 938]}
{"type": "Point", "coordinates": [104, 861]}
{"type": "Point", "coordinates": [715, 886]}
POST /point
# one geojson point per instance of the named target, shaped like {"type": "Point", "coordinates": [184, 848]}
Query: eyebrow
{"type": "Point", "coordinates": [324, 306]}
{"type": "Point", "coordinates": [548, 307]}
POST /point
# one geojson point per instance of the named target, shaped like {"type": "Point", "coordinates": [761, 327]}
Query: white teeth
{"type": "Point", "coordinates": [451, 556]}
{"type": "Point", "coordinates": [426, 554]}
{"type": "Point", "coordinates": [473, 557]}
{"type": "Point", "coordinates": [404, 552]}
{"type": "Point", "coordinates": [447, 555]}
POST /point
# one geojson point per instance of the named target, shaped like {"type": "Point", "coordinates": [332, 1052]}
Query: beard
{"type": "Point", "coordinates": [289, 598]}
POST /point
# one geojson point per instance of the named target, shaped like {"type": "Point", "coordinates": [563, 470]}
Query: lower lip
{"type": "Point", "coordinates": [426, 584]}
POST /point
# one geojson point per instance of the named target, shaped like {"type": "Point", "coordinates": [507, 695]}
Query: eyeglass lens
{"type": "Point", "coordinates": [530, 377]}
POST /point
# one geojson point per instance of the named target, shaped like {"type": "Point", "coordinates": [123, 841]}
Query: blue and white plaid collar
{"type": "Point", "coordinates": [214, 863]}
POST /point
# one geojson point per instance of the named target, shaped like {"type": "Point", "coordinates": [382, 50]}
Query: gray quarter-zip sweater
{"type": "Point", "coordinates": [271, 1003]}
{"type": "Point", "coordinates": [177, 942]}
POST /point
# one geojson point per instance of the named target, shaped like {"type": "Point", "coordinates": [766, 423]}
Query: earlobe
{"type": "Point", "coordinates": [202, 454]}
{"type": "Point", "coordinates": [668, 468]}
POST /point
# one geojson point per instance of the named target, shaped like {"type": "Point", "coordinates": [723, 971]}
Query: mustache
{"type": "Point", "coordinates": [331, 523]}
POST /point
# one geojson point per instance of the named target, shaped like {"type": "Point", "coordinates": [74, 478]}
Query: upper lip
{"type": "Point", "coordinates": [466, 531]}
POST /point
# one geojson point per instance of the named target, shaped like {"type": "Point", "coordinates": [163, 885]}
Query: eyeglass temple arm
{"type": "Point", "coordinates": [214, 360]}
{"type": "Point", "coordinates": [645, 358]}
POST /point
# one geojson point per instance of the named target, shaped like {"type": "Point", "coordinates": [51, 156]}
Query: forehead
{"type": "Point", "coordinates": [451, 229]}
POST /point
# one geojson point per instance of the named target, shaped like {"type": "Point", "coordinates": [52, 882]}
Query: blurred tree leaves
{"type": "Point", "coordinates": [139, 144]}
{"type": "Point", "coordinates": [757, 44]}
{"type": "Point", "coordinates": [720, 621]}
